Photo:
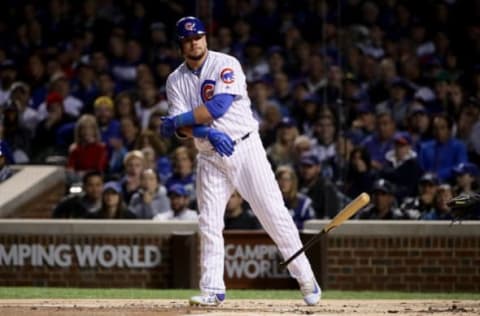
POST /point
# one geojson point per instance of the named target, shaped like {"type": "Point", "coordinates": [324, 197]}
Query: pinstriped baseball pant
{"type": "Point", "coordinates": [249, 172]}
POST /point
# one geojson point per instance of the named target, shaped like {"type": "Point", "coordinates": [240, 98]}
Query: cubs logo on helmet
{"type": "Point", "coordinates": [227, 75]}
{"type": "Point", "coordinates": [207, 89]}
{"type": "Point", "coordinates": [189, 26]}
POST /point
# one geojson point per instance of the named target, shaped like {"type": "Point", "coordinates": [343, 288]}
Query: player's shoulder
{"type": "Point", "coordinates": [222, 58]}
{"type": "Point", "coordinates": [176, 73]}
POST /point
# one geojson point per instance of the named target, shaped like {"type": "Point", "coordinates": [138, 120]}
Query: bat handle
{"type": "Point", "coordinates": [307, 246]}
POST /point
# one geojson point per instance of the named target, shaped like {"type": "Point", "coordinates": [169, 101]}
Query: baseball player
{"type": "Point", "coordinates": [207, 96]}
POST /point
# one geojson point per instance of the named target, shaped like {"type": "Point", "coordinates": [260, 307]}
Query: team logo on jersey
{"type": "Point", "coordinates": [227, 75]}
{"type": "Point", "coordinates": [190, 26]}
{"type": "Point", "coordinates": [207, 89]}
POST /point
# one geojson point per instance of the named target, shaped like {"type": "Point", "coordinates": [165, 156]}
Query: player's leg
{"type": "Point", "coordinates": [213, 191]}
{"type": "Point", "coordinates": [256, 182]}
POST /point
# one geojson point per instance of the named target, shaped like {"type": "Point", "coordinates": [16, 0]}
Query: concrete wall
{"type": "Point", "coordinates": [359, 255]}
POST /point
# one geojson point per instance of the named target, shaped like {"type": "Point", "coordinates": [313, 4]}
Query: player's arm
{"type": "Point", "coordinates": [205, 113]}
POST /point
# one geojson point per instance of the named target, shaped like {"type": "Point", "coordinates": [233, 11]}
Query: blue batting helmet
{"type": "Point", "coordinates": [189, 26]}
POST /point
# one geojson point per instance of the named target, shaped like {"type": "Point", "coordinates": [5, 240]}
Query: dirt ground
{"type": "Point", "coordinates": [238, 307]}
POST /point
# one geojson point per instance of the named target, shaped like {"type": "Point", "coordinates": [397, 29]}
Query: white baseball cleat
{"type": "Point", "coordinates": [311, 292]}
{"type": "Point", "coordinates": [207, 299]}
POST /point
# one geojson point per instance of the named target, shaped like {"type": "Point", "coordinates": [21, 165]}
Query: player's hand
{"type": "Point", "coordinates": [222, 143]}
{"type": "Point", "coordinates": [167, 129]}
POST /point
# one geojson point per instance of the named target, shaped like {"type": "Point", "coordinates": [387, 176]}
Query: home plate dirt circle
{"type": "Point", "coordinates": [44, 307]}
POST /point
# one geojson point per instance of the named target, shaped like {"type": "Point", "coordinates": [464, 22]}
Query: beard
{"type": "Point", "coordinates": [196, 57]}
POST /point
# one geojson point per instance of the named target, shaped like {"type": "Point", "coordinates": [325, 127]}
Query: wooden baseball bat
{"type": "Point", "coordinates": [347, 212]}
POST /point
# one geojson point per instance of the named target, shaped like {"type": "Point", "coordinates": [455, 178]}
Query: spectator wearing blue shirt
{"type": "Point", "coordinates": [444, 152]}
{"type": "Point", "coordinates": [382, 140]}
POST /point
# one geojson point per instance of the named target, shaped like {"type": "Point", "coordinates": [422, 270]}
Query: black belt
{"type": "Point", "coordinates": [242, 138]}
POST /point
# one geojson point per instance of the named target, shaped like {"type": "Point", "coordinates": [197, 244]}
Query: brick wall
{"type": "Point", "coordinates": [74, 276]}
{"type": "Point", "coordinates": [42, 205]}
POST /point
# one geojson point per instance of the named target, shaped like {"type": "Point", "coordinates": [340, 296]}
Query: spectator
{"type": "Point", "coordinates": [20, 96]}
{"type": "Point", "coordinates": [298, 204]}
{"type": "Point", "coordinates": [466, 175]}
{"type": "Point", "coordinates": [381, 141]}
{"type": "Point", "coordinates": [8, 75]}
{"type": "Point", "coordinates": [5, 171]}
{"type": "Point", "coordinates": [15, 134]}
{"type": "Point", "coordinates": [418, 124]}
{"type": "Point", "coordinates": [281, 151]}
{"type": "Point", "coordinates": [444, 152]}
{"type": "Point", "coordinates": [124, 106]}
{"type": "Point", "coordinates": [237, 216]}
{"type": "Point", "coordinates": [45, 140]}
{"type": "Point", "coordinates": [87, 152]}
{"type": "Point", "coordinates": [105, 115]}
{"type": "Point", "coordinates": [360, 175]}
{"type": "Point", "coordinates": [112, 204]}
{"type": "Point", "coordinates": [417, 206]}
{"type": "Point", "coordinates": [179, 206]}
{"type": "Point", "coordinates": [183, 172]}
{"type": "Point", "coordinates": [72, 105]}
{"type": "Point", "coordinates": [134, 164]}
{"type": "Point", "coordinates": [84, 204]}
{"type": "Point", "coordinates": [151, 198]}
{"type": "Point", "coordinates": [402, 168]}
{"type": "Point", "coordinates": [321, 191]}
{"type": "Point", "coordinates": [441, 210]}
{"type": "Point", "coordinates": [129, 129]}
{"type": "Point", "coordinates": [383, 204]}
{"type": "Point", "coordinates": [325, 133]}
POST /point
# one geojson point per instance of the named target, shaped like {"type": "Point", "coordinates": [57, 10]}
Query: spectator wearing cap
{"type": "Point", "coordinates": [381, 141]}
{"type": "Point", "coordinates": [84, 204]}
{"type": "Point", "coordinates": [444, 152]}
{"type": "Point", "coordinates": [466, 178]}
{"type": "Point", "coordinates": [151, 198]}
{"type": "Point", "coordinates": [402, 168]}
{"type": "Point", "coordinates": [398, 101]}
{"type": "Point", "coordinates": [238, 216]}
{"type": "Point", "coordinates": [112, 206]}
{"type": "Point", "coordinates": [73, 106]}
{"type": "Point", "coordinates": [324, 194]}
{"type": "Point", "coordinates": [416, 206]}
{"type": "Point", "coordinates": [281, 151]}
{"type": "Point", "coordinates": [440, 210]}
{"type": "Point", "coordinates": [5, 170]}
{"type": "Point", "coordinates": [418, 123]}
{"type": "Point", "coordinates": [466, 122]}
{"type": "Point", "coordinates": [109, 126]}
{"type": "Point", "coordinates": [179, 201]}
{"type": "Point", "coordinates": [45, 142]}
{"type": "Point", "coordinates": [324, 136]}
{"type": "Point", "coordinates": [20, 96]}
{"type": "Point", "coordinates": [299, 205]}
{"type": "Point", "coordinates": [84, 87]}
{"type": "Point", "coordinates": [383, 204]}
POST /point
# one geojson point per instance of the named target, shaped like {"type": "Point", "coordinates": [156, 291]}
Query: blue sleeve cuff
{"type": "Point", "coordinates": [200, 131]}
{"type": "Point", "coordinates": [219, 104]}
{"type": "Point", "coordinates": [184, 119]}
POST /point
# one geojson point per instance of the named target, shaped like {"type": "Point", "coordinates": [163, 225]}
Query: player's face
{"type": "Point", "coordinates": [194, 47]}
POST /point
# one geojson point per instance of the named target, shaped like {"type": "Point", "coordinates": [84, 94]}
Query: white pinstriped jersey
{"type": "Point", "coordinates": [220, 73]}
{"type": "Point", "coordinates": [246, 170]}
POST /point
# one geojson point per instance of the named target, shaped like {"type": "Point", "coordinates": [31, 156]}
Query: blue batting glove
{"type": "Point", "coordinates": [221, 142]}
{"type": "Point", "coordinates": [167, 129]}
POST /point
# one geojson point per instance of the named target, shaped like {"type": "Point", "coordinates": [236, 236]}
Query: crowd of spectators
{"type": "Point", "coordinates": [351, 96]}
